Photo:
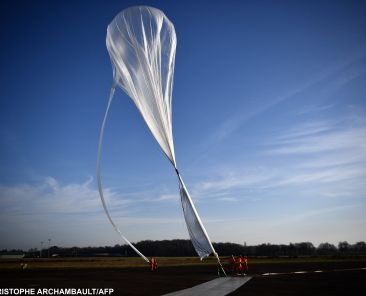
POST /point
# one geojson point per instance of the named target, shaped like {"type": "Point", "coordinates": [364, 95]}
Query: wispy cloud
{"type": "Point", "coordinates": [332, 152]}
{"type": "Point", "coordinates": [309, 128]}
{"type": "Point", "coordinates": [168, 197]}
{"type": "Point", "coordinates": [321, 140]}
{"type": "Point", "coordinates": [50, 197]}
{"type": "Point", "coordinates": [326, 82]}
{"type": "Point", "coordinates": [228, 199]}
{"type": "Point", "coordinates": [221, 186]}
{"type": "Point", "coordinates": [128, 221]}
{"type": "Point", "coordinates": [158, 197]}
{"type": "Point", "coordinates": [311, 109]}
{"type": "Point", "coordinates": [29, 212]}
{"type": "Point", "coordinates": [321, 176]}
{"type": "Point", "coordinates": [326, 155]}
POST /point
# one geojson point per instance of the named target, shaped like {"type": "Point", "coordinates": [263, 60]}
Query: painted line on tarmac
{"type": "Point", "coordinates": [273, 273]}
{"type": "Point", "coordinates": [312, 271]}
{"type": "Point", "coordinates": [348, 269]}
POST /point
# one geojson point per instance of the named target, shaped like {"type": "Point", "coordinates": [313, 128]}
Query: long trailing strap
{"type": "Point", "coordinates": [99, 177]}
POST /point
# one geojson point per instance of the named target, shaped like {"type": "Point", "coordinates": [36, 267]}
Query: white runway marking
{"type": "Point", "coordinates": [217, 287]}
{"type": "Point", "coordinates": [272, 273]}
{"type": "Point", "coordinates": [312, 271]}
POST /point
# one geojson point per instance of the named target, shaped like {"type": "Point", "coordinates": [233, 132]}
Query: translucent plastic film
{"type": "Point", "coordinates": [197, 232]}
{"type": "Point", "coordinates": [141, 43]}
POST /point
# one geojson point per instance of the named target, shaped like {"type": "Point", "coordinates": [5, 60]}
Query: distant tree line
{"type": "Point", "coordinates": [184, 248]}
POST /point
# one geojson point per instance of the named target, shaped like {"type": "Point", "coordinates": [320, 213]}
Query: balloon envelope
{"type": "Point", "coordinates": [141, 42]}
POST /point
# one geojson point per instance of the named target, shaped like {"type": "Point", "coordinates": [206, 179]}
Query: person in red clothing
{"type": "Point", "coordinates": [240, 266]}
{"type": "Point", "coordinates": [153, 264]}
{"type": "Point", "coordinates": [232, 264]}
{"type": "Point", "coordinates": [245, 263]}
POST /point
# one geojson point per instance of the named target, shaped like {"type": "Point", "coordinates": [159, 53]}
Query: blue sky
{"type": "Point", "coordinates": [268, 117]}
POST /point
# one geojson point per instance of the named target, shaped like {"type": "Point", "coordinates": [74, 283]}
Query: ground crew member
{"type": "Point", "coordinates": [240, 266]}
{"type": "Point", "coordinates": [245, 260]}
{"type": "Point", "coordinates": [153, 264]}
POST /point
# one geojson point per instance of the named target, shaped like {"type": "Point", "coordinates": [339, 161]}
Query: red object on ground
{"type": "Point", "coordinates": [240, 266]}
{"type": "Point", "coordinates": [232, 263]}
{"type": "Point", "coordinates": [153, 264]}
{"type": "Point", "coordinates": [245, 263]}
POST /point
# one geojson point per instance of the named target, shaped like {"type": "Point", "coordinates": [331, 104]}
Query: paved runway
{"type": "Point", "coordinates": [217, 287]}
